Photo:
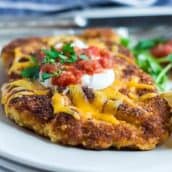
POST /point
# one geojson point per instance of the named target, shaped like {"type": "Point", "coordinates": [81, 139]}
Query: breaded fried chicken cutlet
{"type": "Point", "coordinates": [83, 90]}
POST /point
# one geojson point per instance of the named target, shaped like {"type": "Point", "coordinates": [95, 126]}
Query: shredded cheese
{"type": "Point", "coordinates": [140, 85]}
{"type": "Point", "coordinates": [148, 96]}
{"type": "Point", "coordinates": [18, 66]}
{"type": "Point", "coordinates": [61, 106]}
{"type": "Point", "coordinates": [88, 110]}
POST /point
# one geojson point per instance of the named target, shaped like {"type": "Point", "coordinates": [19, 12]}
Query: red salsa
{"type": "Point", "coordinates": [162, 49]}
{"type": "Point", "coordinates": [97, 60]}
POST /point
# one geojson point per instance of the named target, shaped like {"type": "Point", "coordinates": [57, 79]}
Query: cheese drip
{"type": "Point", "coordinates": [18, 65]}
{"type": "Point", "coordinates": [86, 109]}
{"type": "Point", "coordinates": [20, 88]}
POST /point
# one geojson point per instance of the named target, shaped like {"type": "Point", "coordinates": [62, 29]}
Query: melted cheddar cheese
{"type": "Point", "coordinates": [18, 65]}
{"type": "Point", "coordinates": [103, 107]}
{"type": "Point", "coordinates": [21, 87]}
{"type": "Point", "coordinates": [86, 109]}
{"type": "Point", "coordinates": [105, 102]}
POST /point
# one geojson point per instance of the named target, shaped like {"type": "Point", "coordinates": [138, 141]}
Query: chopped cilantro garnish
{"type": "Point", "coordinates": [45, 75]}
{"type": "Point", "coordinates": [68, 48]}
{"type": "Point", "coordinates": [83, 57]}
{"type": "Point", "coordinates": [66, 55]}
{"type": "Point", "coordinates": [73, 58]}
{"type": "Point", "coordinates": [31, 72]}
{"type": "Point", "coordinates": [53, 53]}
{"type": "Point", "coordinates": [50, 55]}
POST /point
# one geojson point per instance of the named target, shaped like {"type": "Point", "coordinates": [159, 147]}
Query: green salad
{"type": "Point", "coordinates": [144, 52]}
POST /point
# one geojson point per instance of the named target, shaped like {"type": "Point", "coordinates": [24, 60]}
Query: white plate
{"type": "Point", "coordinates": [26, 147]}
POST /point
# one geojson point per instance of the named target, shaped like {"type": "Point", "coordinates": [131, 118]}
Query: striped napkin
{"type": "Point", "coordinates": [22, 7]}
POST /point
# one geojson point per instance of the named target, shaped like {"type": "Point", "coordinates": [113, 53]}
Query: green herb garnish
{"type": "Point", "coordinates": [66, 55]}
{"type": "Point", "coordinates": [125, 41]}
{"type": "Point", "coordinates": [166, 59]}
{"type": "Point", "coordinates": [53, 53]}
{"type": "Point", "coordinates": [31, 72]}
{"type": "Point", "coordinates": [163, 73]}
{"type": "Point", "coordinates": [50, 55]}
{"type": "Point", "coordinates": [148, 43]}
{"type": "Point", "coordinates": [68, 48]}
{"type": "Point", "coordinates": [45, 75]}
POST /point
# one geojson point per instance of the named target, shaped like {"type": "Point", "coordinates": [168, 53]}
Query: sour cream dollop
{"type": "Point", "coordinates": [76, 43]}
{"type": "Point", "coordinates": [96, 81]}
{"type": "Point", "coordinates": [99, 80]}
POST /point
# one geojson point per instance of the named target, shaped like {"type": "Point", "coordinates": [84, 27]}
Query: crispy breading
{"type": "Point", "coordinates": [141, 117]}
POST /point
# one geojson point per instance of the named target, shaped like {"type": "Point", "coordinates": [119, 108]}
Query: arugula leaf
{"type": "Point", "coordinates": [125, 41]}
{"type": "Point", "coordinates": [148, 43]}
{"type": "Point", "coordinates": [151, 65]}
{"type": "Point", "coordinates": [148, 63]}
{"type": "Point", "coordinates": [31, 72]}
{"type": "Point", "coordinates": [165, 59]}
{"type": "Point", "coordinates": [159, 78]}
{"type": "Point", "coordinates": [153, 68]}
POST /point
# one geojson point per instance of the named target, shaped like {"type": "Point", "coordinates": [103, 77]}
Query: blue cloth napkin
{"type": "Point", "coordinates": [32, 7]}
{"type": "Point", "coordinates": [21, 7]}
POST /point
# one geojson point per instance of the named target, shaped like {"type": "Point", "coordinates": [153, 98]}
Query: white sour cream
{"type": "Point", "coordinates": [99, 80]}
{"type": "Point", "coordinates": [80, 44]}
{"type": "Point", "coordinates": [77, 43]}
{"type": "Point", "coordinates": [96, 81]}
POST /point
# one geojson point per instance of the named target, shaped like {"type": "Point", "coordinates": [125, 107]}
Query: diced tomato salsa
{"type": "Point", "coordinates": [162, 49]}
{"type": "Point", "coordinates": [49, 68]}
{"type": "Point", "coordinates": [98, 60]}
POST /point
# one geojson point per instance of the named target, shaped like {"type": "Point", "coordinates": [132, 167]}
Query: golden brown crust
{"type": "Point", "coordinates": [92, 134]}
{"type": "Point", "coordinates": [39, 105]}
{"type": "Point", "coordinates": [137, 128]}
{"type": "Point", "coordinates": [105, 34]}
{"type": "Point", "coordinates": [28, 45]}
{"type": "Point", "coordinates": [141, 124]}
